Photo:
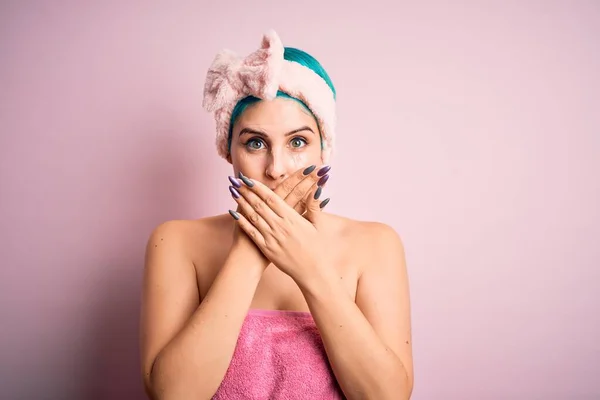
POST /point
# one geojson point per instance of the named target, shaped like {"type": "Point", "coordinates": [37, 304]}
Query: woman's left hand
{"type": "Point", "coordinates": [289, 240]}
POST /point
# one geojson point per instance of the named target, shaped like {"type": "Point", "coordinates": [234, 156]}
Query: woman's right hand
{"type": "Point", "coordinates": [294, 190]}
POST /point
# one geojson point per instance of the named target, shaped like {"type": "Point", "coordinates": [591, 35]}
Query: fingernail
{"type": "Point", "coordinates": [234, 192]}
{"type": "Point", "coordinates": [309, 169]}
{"type": "Point", "coordinates": [323, 180]}
{"type": "Point", "coordinates": [247, 181]}
{"type": "Point", "coordinates": [235, 215]}
{"type": "Point", "coordinates": [235, 182]}
{"type": "Point", "coordinates": [318, 192]}
{"type": "Point", "coordinates": [324, 170]}
{"type": "Point", "coordinates": [324, 203]}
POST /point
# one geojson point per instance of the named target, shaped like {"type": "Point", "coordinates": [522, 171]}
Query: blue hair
{"type": "Point", "coordinates": [290, 54]}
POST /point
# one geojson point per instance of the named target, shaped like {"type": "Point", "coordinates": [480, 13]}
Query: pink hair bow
{"type": "Point", "coordinates": [231, 77]}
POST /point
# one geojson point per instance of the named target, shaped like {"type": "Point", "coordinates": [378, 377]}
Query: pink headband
{"type": "Point", "coordinates": [261, 74]}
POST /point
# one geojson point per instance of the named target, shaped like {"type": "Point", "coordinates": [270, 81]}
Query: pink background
{"type": "Point", "coordinates": [473, 129]}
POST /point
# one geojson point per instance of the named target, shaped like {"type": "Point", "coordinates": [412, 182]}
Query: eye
{"type": "Point", "coordinates": [298, 142]}
{"type": "Point", "coordinates": [254, 144]}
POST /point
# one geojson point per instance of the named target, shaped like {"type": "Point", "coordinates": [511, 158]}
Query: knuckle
{"type": "Point", "coordinates": [253, 217]}
{"type": "Point", "coordinates": [287, 224]}
{"type": "Point", "coordinates": [270, 244]}
{"type": "Point", "coordinates": [270, 200]}
{"type": "Point", "coordinates": [257, 206]}
{"type": "Point", "coordinates": [284, 231]}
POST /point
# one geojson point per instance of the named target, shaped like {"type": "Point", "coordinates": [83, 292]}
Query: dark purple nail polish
{"type": "Point", "coordinates": [323, 180]}
{"type": "Point", "coordinates": [309, 169]}
{"type": "Point", "coordinates": [318, 193]}
{"type": "Point", "coordinates": [234, 192]}
{"type": "Point", "coordinates": [323, 170]}
{"type": "Point", "coordinates": [235, 182]}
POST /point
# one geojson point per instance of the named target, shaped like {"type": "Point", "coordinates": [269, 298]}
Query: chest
{"type": "Point", "coordinates": [276, 290]}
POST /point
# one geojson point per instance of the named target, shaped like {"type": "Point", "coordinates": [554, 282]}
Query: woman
{"type": "Point", "coordinates": [277, 299]}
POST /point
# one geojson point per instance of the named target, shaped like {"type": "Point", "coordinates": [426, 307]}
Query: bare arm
{"type": "Point", "coordinates": [187, 346]}
{"type": "Point", "coordinates": [368, 342]}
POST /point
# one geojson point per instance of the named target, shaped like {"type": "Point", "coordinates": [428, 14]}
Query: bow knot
{"type": "Point", "coordinates": [231, 77]}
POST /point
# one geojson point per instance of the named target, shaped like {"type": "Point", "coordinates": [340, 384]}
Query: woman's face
{"type": "Point", "coordinates": [273, 139]}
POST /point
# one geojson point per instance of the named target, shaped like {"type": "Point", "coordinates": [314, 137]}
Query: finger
{"type": "Point", "coordinates": [242, 186]}
{"type": "Point", "coordinates": [292, 198]}
{"type": "Point", "coordinates": [300, 207]}
{"type": "Point", "coordinates": [303, 189]}
{"type": "Point", "coordinates": [303, 181]}
{"type": "Point", "coordinates": [248, 228]}
{"type": "Point", "coordinates": [253, 208]}
{"type": "Point", "coordinates": [286, 187]}
{"type": "Point", "coordinates": [270, 200]}
{"type": "Point", "coordinates": [315, 204]}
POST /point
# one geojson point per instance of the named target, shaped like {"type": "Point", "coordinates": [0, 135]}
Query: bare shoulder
{"type": "Point", "coordinates": [191, 250]}
{"type": "Point", "coordinates": [367, 233]}
{"type": "Point", "coordinates": [187, 228]}
{"type": "Point", "coordinates": [374, 243]}
{"type": "Point", "coordinates": [386, 249]}
{"type": "Point", "coordinates": [189, 237]}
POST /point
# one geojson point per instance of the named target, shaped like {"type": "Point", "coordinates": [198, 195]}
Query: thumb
{"type": "Point", "coordinates": [314, 204]}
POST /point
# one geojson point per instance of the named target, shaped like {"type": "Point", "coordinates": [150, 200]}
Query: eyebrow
{"type": "Point", "coordinates": [250, 131]}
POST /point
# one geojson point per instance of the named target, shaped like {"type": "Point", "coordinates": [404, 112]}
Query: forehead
{"type": "Point", "coordinates": [274, 116]}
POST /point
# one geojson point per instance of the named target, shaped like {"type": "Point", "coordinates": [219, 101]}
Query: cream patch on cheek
{"type": "Point", "coordinates": [251, 164]}
{"type": "Point", "coordinates": [299, 160]}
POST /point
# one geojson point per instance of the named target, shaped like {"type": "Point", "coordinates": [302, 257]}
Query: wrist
{"type": "Point", "coordinates": [237, 266]}
{"type": "Point", "coordinates": [245, 252]}
{"type": "Point", "coordinates": [321, 283]}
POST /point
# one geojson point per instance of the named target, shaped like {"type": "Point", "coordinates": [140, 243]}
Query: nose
{"type": "Point", "coordinates": [277, 167]}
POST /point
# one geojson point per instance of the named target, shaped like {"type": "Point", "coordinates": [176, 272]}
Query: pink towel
{"type": "Point", "coordinates": [279, 355]}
